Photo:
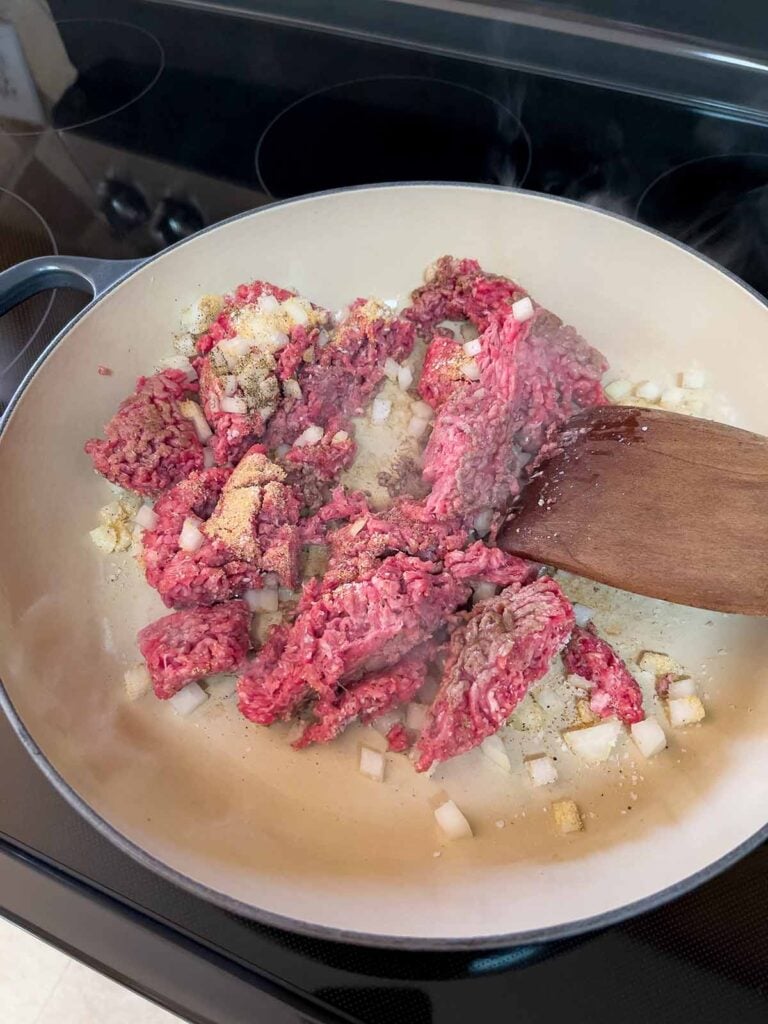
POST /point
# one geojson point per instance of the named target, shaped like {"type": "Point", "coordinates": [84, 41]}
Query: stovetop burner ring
{"type": "Point", "coordinates": [92, 44]}
{"type": "Point", "coordinates": [718, 205]}
{"type": "Point", "coordinates": [357, 132]}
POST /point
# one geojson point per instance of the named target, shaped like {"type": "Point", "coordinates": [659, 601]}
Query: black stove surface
{"type": "Point", "coordinates": [160, 118]}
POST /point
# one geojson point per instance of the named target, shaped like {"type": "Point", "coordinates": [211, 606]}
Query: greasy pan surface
{"type": "Point", "coordinates": [300, 839]}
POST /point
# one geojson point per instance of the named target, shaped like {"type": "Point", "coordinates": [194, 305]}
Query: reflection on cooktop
{"type": "Point", "coordinates": [393, 128]}
{"type": "Point", "coordinates": [718, 205]}
{"type": "Point", "coordinates": [24, 234]}
{"type": "Point", "coordinates": [115, 64]}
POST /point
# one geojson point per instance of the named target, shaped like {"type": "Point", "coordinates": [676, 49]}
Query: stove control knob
{"type": "Point", "coordinates": [123, 205]}
{"type": "Point", "coordinates": [178, 219]}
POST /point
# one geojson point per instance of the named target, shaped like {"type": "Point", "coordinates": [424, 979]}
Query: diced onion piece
{"type": "Point", "coordinates": [234, 404]}
{"type": "Point", "coordinates": [105, 538]}
{"type": "Point", "coordinates": [277, 340]}
{"type": "Point", "coordinates": [649, 391]}
{"type": "Point", "coordinates": [229, 385]}
{"type": "Point", "coordinates": [322, 338]}
{"type": "Point", "coordinates": [657, 663]}
{"type": "Point", "coordinates": [404, 377]}
{"type": "Point", "coordinates": [188, 699]}
{"type": "Point", "coordinates": [595, 743]}
{"type": "Point", "coordinates": [522, 310]}
{"type": "Point", "coordinates": [578, 682]}
{"type": "Point", "coordinates": [391, 369]}
{"type": "Point", "coordinates": [146, 517]}
{"type": "Point", "coordinates": [296, 311]}
{"type": "Point", "coordinates": [482, 591]}
{"type": "Point", "coordinates": [566, 816]}
{"type": "Point", "coordinates": [265, 600]}
{"type": "Point", "coordinates": [372, 764]}
{"type": "Point", "coordinates": [494, 749]}
{"type": "Point", "coordinates": [380, 410]}
{"type": "Point", "coordinates": [282, 450]}
{"type": "Point", "coordinates": [685, 711]}
{"type": "Point", "coordinates": [311, 435]}
{"type": "Point", "coordinates": [681, 688]}
{"type": "Point", "coordinates": [268, 304]}
{"type": "Point", "coordinates": [472, 348]}
{"type": "Point", "coordinates": [137, 681]}
{"type": "Point", "coordinates": [482, 522]}
{"type": "Point", "coordinates": [671, 398]}
{"type": "Point", "coordinates": [471, 370]}
{"type": "Point", "coordinates": [693, 379]}
{"type": "Point", "coordinates": [385, 722]}
{"type": "Point", "coordinates": [528, 716]}
{"type": "Point", "coordinates": [416, 716]}
{"type": "Point", "coordinates": [191, 411]}
{"type": "Point", "coordinates": [340, 437]}
{"type": "Point", "coordinates": [234, 349]}
{"type": "Point", "coordinates": [618, 389]}
{"type": "Point", "coordinates": [292, 388]}
{"type": "Point", "coordinates": [583, 614]}
{"type": "Point", "coordinates": [209, 459]}
{"type": "Point", "coordinates": [542, 770]}
{"type": "Point", "coordinates": [417, 426]}
{"type": "Point", "coordinates": [191, 539]}
{"type": "Point", "coordinates": [649, 738]}
{"type": "Point", "coordinates": [423, 410]}
{"type": "Point", "coordinates": [452, 821]}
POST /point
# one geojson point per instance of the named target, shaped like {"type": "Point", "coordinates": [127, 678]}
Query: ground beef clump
{"type": "Point", "coordinates": [341, 633]}
{"type": "Point", "coordinates": [249, 520]}
{"type": "Point", "coordinates": [505, 646]}
{"type": "Point", "coordinates": [149, 445]}
{"type": "Point", "coordinates": [194, 643]}
{"type": "Point", "coordinates": [369, 697]}
{"type": "Point", "coordinates": [533, 376]}
{"type": "Point", "coordinates": [614, 691]}
{"type": "Point", "coordinates": [459, 289]}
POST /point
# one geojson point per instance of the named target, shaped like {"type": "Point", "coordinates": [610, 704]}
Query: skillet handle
{"type": "Point", "coordinates": [81, 272]}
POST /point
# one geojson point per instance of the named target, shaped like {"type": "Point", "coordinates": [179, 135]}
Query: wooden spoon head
{"type": "Point", "coordinates": [655, 503]}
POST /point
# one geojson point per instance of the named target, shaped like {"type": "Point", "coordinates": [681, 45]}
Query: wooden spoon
{"type": "Point", "coordinates": [655, 503]}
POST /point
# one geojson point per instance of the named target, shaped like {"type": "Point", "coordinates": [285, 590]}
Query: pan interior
{"type": "Point", "coordinates": [303, 835]}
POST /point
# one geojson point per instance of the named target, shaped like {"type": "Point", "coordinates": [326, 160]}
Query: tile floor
{"type": "Point", "coordinates": [40, 985]}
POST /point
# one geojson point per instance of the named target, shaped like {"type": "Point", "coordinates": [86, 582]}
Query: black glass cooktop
{"type": "Point", "coordinates": [126, 127]}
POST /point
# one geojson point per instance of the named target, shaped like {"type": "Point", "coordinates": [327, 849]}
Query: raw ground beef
{"type": "Point", "coordinates": [398, 740]}
{"type": "Point", "coordinates": [369, 697]}
{"type": "Point", "coordinates": [506, 645]}
{"type": "Point", "coordinates": [250, 522]}
{"type": "Point", "coordinates": [149, 444]}
{"type": "Point", "coordinates": [244, 295]}
{"type": "Point", "coordinates": [459, 289]}
{"type": "Point", "coordinates": [614, 691]}
{"type": "Point", "coordinates": [312, 469]}
{"type": "Point", "coordinates": [342, 376]}
{"type": "Point", "coordinates": [443, 370]}
{"type": "Point", "coordinates": [195, 643]}
{"type": "Point", "coordinates": [365, 634]}
{"type": "Point", "coordinates": [533, 375]}
{"type": "Point", "coordinates": [406, 526]}
{"type": "Point", "coordinates": [339, 634]}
